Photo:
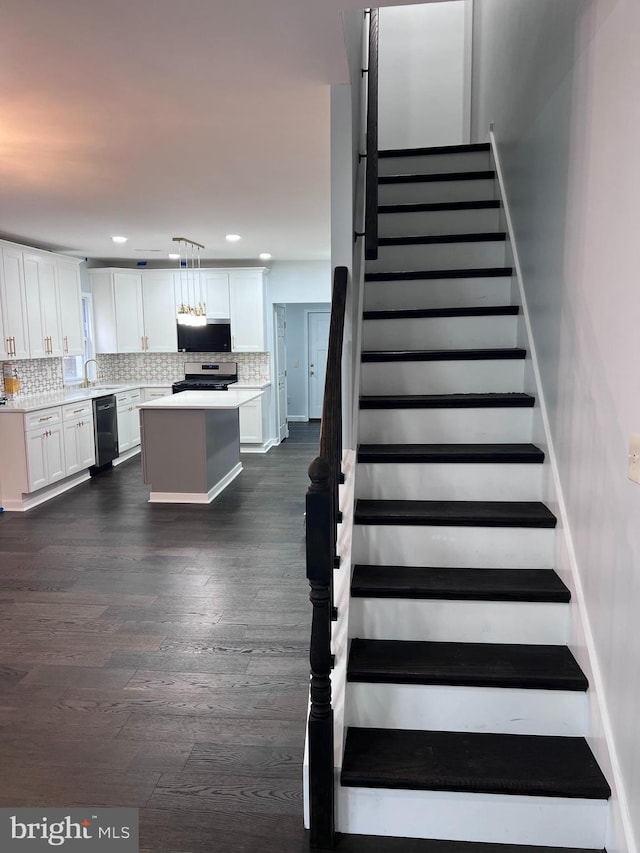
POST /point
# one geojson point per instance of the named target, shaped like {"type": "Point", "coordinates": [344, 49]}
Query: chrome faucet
{"type": "Point", "coordinates": [86, 382]}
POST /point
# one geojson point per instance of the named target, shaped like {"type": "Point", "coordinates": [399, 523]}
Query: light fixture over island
{"type": "Point", "coordinates": [191, 444]}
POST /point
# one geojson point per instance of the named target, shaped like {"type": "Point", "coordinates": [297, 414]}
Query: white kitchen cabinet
{"type": "Point", "coordinates": [117, 308]}
{"type": "Point", "coordinates": [251, 422]}
{"type": "Point", "coordinates": [156, 393]}
{"type": "Point", "coordinates": [215, 290]}
{"type": "Point", "coordinates": [247, 310]}
{"type": "Point", "coordinates": [13, 304]}
{"type": "Point", "coordinates": [45, 448]}
{"type": "Point", "coordinates": [255, 432]}
{"type": "Point", "coordinates": [79, 440]}
{"type": "Point", "coordinates": [70, 306]}
{"type": "Point", "coordinates": [128, 420]}
{"type": "Point", "coordinates": [159, 311]}
{"type": "Point", "coordinates": [43, 305]}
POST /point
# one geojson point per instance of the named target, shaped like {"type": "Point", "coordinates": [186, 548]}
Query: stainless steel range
{"type": "Point", "coordinates": [207, 376]}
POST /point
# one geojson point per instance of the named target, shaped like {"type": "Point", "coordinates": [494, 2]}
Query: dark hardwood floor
{"type": "Point", "coordinates": [157, 656]}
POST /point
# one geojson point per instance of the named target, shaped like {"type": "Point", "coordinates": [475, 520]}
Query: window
{"type": "Point", "coordinates": [72, 365]}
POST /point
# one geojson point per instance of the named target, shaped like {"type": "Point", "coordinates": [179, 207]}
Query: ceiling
{"type": "Point", "coordinates": [156, 118]}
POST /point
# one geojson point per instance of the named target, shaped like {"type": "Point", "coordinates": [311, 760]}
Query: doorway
{"type": "Point", "coordinates": [280, 334]}
{"type": "Point", "coordinates": [318, 343]}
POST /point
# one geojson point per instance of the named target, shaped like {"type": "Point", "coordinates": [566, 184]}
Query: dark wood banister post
{"type": "Point", "coordinates": [322, 507]}
{"type": "Point", "coordinates": [319, 568]}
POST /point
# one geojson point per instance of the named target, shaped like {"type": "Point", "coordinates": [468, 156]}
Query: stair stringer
{"type": "Point", "coordinates": [581, 639]}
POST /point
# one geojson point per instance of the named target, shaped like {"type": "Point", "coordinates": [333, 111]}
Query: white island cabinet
{"type": "Point", "coordinates": [191, 444]}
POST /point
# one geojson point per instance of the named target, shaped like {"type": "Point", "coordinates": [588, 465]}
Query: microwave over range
{"type": "Point", "coordinates": [215, 336]}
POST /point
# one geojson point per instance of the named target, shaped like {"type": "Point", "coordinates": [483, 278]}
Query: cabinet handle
{"type": "Point", "coordinates": [142, 343]}
{"type": "Point", "coordinates": [48, 418]}
{"type": "Point", "coordinates": [233, 342]}
{"type": "Point", "coordinates": [66, 344]}
{"type": "Point", "coordinates": [146, 343]}
{"type": "Point", "coordinates": [77, 411]}
{"type": "Point", "coordinates": [12, 346]}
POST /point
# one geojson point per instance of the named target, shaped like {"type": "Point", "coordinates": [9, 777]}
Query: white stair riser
{"type": "Point", "coordinates": [419, 426]}
{"type": "Point", "coordinates": [462, 547]}
{"type": "Point", "coordinates": [436, 191]}
{"type": "Point", "coordinates": [459, 621]}
{"type": "Point", "coordinates": [438, 222]}
{"type": "Point", "coordinates": [431, 164]}
{"type": "Point", "coordinates": [461, 816]}
{"type": "Point", "coordinates": [442, 377]}
{"type": "Point", "coordinates": [453, 481]}
{"type": "Point", "coordinates": [439, 256]}
{"type": "Point", "coordinates": [440, 333]}
{"type": "Point", "coordinates": [437, 293]}
{"type": "Point", "coordinates": [467, 709]}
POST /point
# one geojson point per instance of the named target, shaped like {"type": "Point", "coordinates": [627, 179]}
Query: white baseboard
{"type": "Point", "coordinates": [196, 497]}
{"type": "Point", "coordinates": [298, 418]}
{"type": "Point", "coordinates": [29, 501]}
{"type": "Point", "coordinates": [128, 454]}
{"type": "Point", "coordinates": [600, 734]}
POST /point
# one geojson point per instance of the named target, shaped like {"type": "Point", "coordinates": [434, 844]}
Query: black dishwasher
{"type": "Point", "coordinates": [105, 430]}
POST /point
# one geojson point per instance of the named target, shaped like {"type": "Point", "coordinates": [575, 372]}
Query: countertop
{"type": "Point", "coordinates": [229, 399]}
{"type": "Point", "coordinates": [33, 402]}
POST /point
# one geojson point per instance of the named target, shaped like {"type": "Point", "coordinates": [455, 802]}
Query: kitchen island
{"type": "Point", "coordinates": [191, 444]}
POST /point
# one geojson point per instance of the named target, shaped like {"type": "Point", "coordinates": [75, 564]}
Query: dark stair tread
{"type": "Point", "coordinates": [492, 400]}
{"type": "Point", "coordinates": [508, 353]}
{"type": "Point", "coordinates": [420, 313]}
{"type": "Point", "coordinates": [428, 239]}
{"type": "Point", "coordinates": [465, 664]}
{"type": "Point", "coordinates": [485, 453]}
{"type": "Point", "coordinates": [436, 177]}
{"type": "Point", "coordinates": [530, 765]}
{"type": "Point", "coordinates": [454, 584]}
{"type": "Point", "coordinates": [431, 275]}
{"type": "Point", "coordinates": [394, 844]}
{"type": "Point", "coordinates": [469, 148]}
{"type": "Point", "coordinates": [455, 513]}
{"type": "Point", "coordinates": [427, 206]}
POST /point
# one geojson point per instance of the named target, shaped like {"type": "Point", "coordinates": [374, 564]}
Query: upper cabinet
{"type": "Point", "coordinates": [117, 309]}
{"type": "Point", "coordinates": [215, 291]}
{"type": "Point", "coordinates": [247, 310]}
{"type": "Point", "coordinates": [137, 311]}
{"type": "Point", "coordinates": [40, 304]}
{"type": "Point", "coordinates": [15, 343]}
{"type": "Point", "coordinates": [159, 311]}
{"type": "Point", "coordinates": [43, 305]}
{"type": "Point", "coordinates": [70, 306]}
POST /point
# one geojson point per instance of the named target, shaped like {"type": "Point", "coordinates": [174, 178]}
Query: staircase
{"type": "Point", "coordinates": [466, 711]}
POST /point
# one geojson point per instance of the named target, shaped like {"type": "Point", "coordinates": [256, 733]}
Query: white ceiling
{"type": "Point", "coordinates": [159, 118]}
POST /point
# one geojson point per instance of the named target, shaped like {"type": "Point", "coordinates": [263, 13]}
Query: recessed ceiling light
{"type": "Point", "coordinates": [233, 238]}
{"type": "Point", "coordinates": [119, 239]}
{"type": "Point", "coordinates": [265, 256]}
{"type": "Point", "coordinates": [174, 256]}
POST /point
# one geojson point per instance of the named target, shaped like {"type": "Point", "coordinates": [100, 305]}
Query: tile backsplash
{"type": "Point", "coordinates": [156, 367]}
{"type": "Point", "coordinates": [39, 375]}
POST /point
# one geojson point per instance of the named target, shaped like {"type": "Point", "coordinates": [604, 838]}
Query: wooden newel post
{"type": "Point", "coordinates": [319, 567]}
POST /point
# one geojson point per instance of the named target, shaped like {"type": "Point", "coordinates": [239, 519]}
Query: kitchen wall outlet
{"type": "Point", "coordinates": [634, 458]}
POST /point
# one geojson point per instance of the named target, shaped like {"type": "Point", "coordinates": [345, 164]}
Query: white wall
{"type": "Point", "coordinates": [422, 64]}
{"type": "Point", "coordinates": [299, 281]}
{"type": "Point", "coordinates": [559, 78]}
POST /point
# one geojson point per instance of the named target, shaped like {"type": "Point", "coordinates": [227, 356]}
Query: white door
{"type": "Point", "coordinates": [281, 371]}
{"type": "Point", "coordinates": [318, 337]}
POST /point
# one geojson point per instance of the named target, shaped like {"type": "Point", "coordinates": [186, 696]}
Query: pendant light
{"type": "Point", "coordinates": [190, 271]}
